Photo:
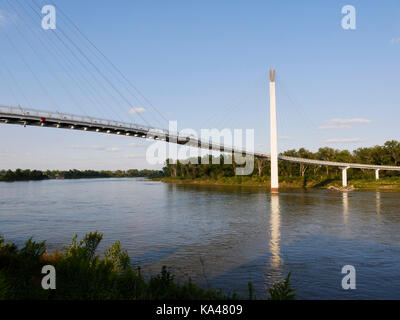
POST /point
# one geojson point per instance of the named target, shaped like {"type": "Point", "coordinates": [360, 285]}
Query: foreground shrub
{"type": "Point", "coordinates": [282, 290]}
{"type": "Point", "coordinates": [81, 274]}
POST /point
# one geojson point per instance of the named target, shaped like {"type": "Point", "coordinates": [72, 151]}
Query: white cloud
{"type": "Point", "coordinates": [339, 123]}
{"type": "Point", "coordinates": [334, 126]}
{"type": "Point", "coordinates": [6, 154]}
{"type": "Point", "coordinates": [344, 140]}
{"type": "Point", "coordinates": [346, 121]}
{"type": "Point", "coordinates": [137, 110]}
{"type": "Point", "coordinates": [285, 138]}
{"type": "Point", "coordinates": [135, 144]}
{"type": "Point", "coordinates": [79, 147]}
{"type": "Point", "coordinates": [134, 156]}
{"type": "Point", "coordinates": [95, 147]}
{"type": "Point", "coordinates": [395, 41]}
{"type": "Point", "coordinates": [2, 19]}
{"type": "Point", "coordinates": [5, 16]}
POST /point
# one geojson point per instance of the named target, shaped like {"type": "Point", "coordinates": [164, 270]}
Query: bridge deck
{"type": "Point", "coordinates": [339, 164]}
{"type": "Point", "coordinates": [32, 117]}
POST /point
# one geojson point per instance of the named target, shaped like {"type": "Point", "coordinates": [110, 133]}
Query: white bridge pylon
{"type": "Point", "coordinates": [273, 133]}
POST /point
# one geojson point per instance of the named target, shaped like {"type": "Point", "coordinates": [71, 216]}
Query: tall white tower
{"type": "Point", "coordinates": [273, 133]}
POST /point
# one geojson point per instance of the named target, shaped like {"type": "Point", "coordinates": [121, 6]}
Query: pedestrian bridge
{"type": "Point", "coordinates": [40, 118]}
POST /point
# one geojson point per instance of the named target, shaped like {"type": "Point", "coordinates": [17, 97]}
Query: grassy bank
{"type": "Point", "coordinates": [392, 183]}
{"type": "Point", "coordinates": [81, 274]}
{"type": "Point", "coordinates": [386, 183]}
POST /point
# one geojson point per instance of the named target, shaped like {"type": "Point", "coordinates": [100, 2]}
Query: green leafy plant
{"type": "Point", "coordinates": [251, 291]}
{"type": "Point", "coordinates": [83, 275]}
{"type": "Point", "coordinates": [282, 290]}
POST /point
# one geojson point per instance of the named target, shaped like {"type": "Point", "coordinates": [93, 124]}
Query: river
{"type": "Point", "coordinates": [222, 237]}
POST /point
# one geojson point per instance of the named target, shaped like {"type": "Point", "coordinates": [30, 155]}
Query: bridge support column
{"type": "Point", "coordinates": [377, 174]}
{"type": "Point", "coordinates": [273, 133]}
{"type": "Point", "coordinates": [344, 177]}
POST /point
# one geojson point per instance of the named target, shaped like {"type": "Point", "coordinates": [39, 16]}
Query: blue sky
{"type": "Point", "coordinates": [204, 64]}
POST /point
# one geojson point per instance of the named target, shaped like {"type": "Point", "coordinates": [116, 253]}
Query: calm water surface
{"type": "Point", "coordinates": [222, 237]}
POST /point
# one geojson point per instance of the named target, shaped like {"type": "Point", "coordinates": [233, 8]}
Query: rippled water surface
{"type": "Point", "coordinates": [222, 237]}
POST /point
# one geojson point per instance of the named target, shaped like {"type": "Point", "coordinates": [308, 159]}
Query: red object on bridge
{"type": "Point", "coordinates": [43, 119]}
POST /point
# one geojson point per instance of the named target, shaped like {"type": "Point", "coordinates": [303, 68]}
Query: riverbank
{"type": "Point", "coordinates": [386, 183]}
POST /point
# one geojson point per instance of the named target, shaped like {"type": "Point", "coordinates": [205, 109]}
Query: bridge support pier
{"type": "Point", "coordinates": [344, 177]}
{"type": "Point", "coordinates": [273, 133]}
{"type": "Point", "coordinates": [377, 174]}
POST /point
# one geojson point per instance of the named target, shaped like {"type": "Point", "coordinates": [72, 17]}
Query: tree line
{"type": "Point", "coordinates": [27, 175]}
{"type": "Point", "coordinates": [387, 154]}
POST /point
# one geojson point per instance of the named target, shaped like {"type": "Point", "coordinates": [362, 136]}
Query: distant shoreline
{"type": "Point", "coordinates": [82, 178]}
{"type": "Point", "coordinates": [38, 175]}
{"type": "Point", "coordinates": [385, 183]}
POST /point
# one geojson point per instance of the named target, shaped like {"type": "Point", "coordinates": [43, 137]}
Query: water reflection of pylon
{"type": "Point", "coordinates": [345, 206]}
{"type": "Point", "coordinates": [378, 202]}
{"type": "Point", "coordinates": [275, 223]}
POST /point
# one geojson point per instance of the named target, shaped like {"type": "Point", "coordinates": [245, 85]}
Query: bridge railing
{"type": "Point", "coordinates": [71, 117]}
{"type": "Point", "coordinates": [338, 164]}
{"type": "Point", "coordinates": [65, 117]}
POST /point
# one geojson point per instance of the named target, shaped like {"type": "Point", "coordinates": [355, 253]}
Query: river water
{"type": "Point", "coordinates": [222, 237]}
